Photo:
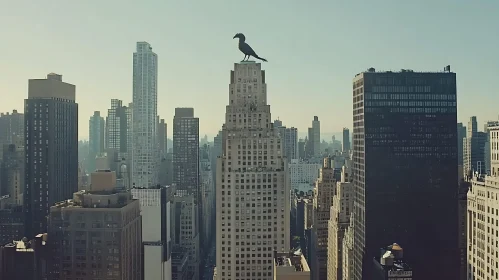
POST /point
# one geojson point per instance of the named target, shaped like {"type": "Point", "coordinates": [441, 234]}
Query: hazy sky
{"type": "Point", "coordinates": [314, 50]}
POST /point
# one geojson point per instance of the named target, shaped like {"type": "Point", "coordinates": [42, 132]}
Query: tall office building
{"type": "Point", "coordinates": [289, 138]}
{"type": "Point", "coordinates": [145, 156]}
{"type": "Point", "coordinates": [482, 219]}
{"type": "Point", "coordinates": [316, 140]}
{"type": "Point", "coordinates": [11, 128]}
{"type": "Point", "coordinates": [487, 159]}
{"type": "Point", "coordinates": [207, 189]}
{"type": "Point", "coordinates": [474, 151]}
{"type": "Point", "coordinates": [96, 139]}
{"type": "Point", "coordinates": [253, 193]}
{"type": "Point", "coordinates": [346, 140]}
{"type": "Point", "coordinates": [155, 208]}
{"type": "Point", "coordinates": [324, 191]}
{"type": "Point", "coordinates": [186, 179]}
{"type": "Point", "coordinates": [103, 229]}
{"type": "Point", "coordinates": [51, 145]}
{"type": "Point", "coordinates": [405, 168]}
{"type": "Point", "coordinates": [186, 150]}
{"type": "Point", "coordinates": [215, 153]}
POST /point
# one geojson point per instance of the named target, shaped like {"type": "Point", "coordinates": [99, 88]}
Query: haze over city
{"type": "Point", "coordinates": [315, 49]}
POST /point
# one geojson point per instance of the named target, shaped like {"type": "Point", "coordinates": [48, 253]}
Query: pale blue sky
{"type": "Point", "coordinates": [314, 50]}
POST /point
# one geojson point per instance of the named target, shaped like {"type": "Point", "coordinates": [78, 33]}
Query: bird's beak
{"type": "Point", "coordinates": [235, 36]}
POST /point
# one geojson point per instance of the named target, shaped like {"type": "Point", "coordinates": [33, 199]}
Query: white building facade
{"type": "Point", "coordinates": [155, 206]}
{"type": "Point", "coordinates": [253, 187]}
{"type": "Point", "coordinates": [145, 155]}
{"type": "Point", "coordinates": [303, 175]}
{"type": "Point", "coordinates": [483, 218]}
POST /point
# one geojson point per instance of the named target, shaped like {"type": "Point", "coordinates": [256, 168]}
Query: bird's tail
{"type": "Point", "coordinates": [261, 58]}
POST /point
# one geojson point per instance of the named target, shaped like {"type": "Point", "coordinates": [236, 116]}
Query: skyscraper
{"type": "Point", "coordinates": [186, 179]}
{"type": "Point", "coordinates": [405, 169]}
{"type": "Point", "coordinates": [186, 150]}
{"type": "Point", "coordinates": [461, 138]}
{"type": "Point", "coordinates": [145, 156]}
{"type": "Point", "coordinates": [346, 140]}
{"type": "Point", "coordinates": [316, 132]}
{"type": "Point", "coordinates": [51, 144]}
{"type": "Point", "coordinates": [253, 193]}
{"type": "Point", "coordinates": [118, 128]}
{"type": "Point", "coordinates": [96, 139]}
{"type": "Point", "coordinates": [289, 138]}
{"type": "Point", "coordinates": [474, 152]}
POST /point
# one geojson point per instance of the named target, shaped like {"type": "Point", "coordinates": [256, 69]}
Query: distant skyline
{"type": "Point", "coordinates": [314, 51]}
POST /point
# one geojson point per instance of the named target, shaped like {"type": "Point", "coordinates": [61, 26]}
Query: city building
{"type": "Point", "coordinates": [11, 221]}
{"type": "Point", "coordinates": [482, 218]}
{"type": "Point", "coordinates": [186, 150]}
{"type": "Point", "coordinates": [96, 139]}
{"type": "Point", "coordinates": [180, 264]}
{"type": "Point", "coordinates": [487, 159]}
{"type": "Point", "coordinates": [51, 142]}
{"type": "Point", "coordinates": [186, 232]}
{"type": "Point", "coordinates": [11, 128]}
{"type": "Point", "coordinates": [215, 153]}
{"type": "Point", "coordinates": [12, 172]}
{"type": "Point", "coordinates": [119, 131]}
{"type": "Point", "coordinates": [103, 228]}
{"type": "Point", "coordinates": [303, 175]}
{"type": "Point", "coordinates": [303, 219]}
{"type": "Point", "coordinates": [315, 136]}
{"type": "Point", "coordinates": [253, 187]}
{"type": "Point", "coordinates": [339, 221]}
{"type": "Point", "coordinates": [145, 155]}
{"type": "Point", "coordinates": [346, 141]}
{"type": "Point", "coordinates": [207, 188]}
{"type": "Point", "coordinates": [474, 151]}
{"type": "Point", "coordinates": [461, 139]}
{"type": "Point", "coordinates": [291, 266]}
{"type": "Point", "coordinates": [301, 149]}
{"type": "Point", "coordinates": [162, 138]}
{"type": "Point", "coordinates": [155, 206]}
{"type": "Point", "coordinates": [289, 138]}
{"type": "Point", "coordinates": [26, 260]}
{"type": "Point", "coordinates": [324, 191]}
{"type": "Point", "coordinates": [390, 264]}
{"type": "Point", "coordinates": [347, 251]}
{"type": "Point", "coordinates": [404, 148]}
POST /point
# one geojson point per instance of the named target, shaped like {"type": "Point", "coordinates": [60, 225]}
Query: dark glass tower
{"type": "Point", "coordinates": [405, 169]}
{"type": "Point", "coordinates": [51, 147]}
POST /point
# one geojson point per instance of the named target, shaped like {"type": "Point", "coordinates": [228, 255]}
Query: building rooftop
{"type": "Point", "coordinates": [295, 260]}
{"type": "Point", "coordinates": [445, 70]}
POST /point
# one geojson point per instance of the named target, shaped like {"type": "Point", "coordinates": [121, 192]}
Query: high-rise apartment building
{"type": "Point", "coordinates": [11, 128]}
{"type": "Point", "coordinates": [102, 228]}
{"type": "Point", "coordinates": [155, 207]}
{"type": "Point", "coordinates": [145, 156]}
{"type": "Point", "coordinates": [96, 139]}
{"type": "Point", "coordinates": [338, 223]}
{"type": "Point", "coordinates": [51, 145]}
{"type": "Point", "coordinates": [346, 141]}
{"type": "Point", "coordinates": [405, 168]}
{"type": "Point", "coordinates": [253, 194]}
{"type": "Point", "coordinates": [324, 191]}
{"type": "Point", "coordinates": [474, 151]}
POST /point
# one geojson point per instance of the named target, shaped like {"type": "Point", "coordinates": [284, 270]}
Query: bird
{"type": "Point", "coordinates": [246, 49]}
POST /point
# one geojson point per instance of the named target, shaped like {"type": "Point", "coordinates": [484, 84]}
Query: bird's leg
{"type": "Point", "coordinates": [244, 58]}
